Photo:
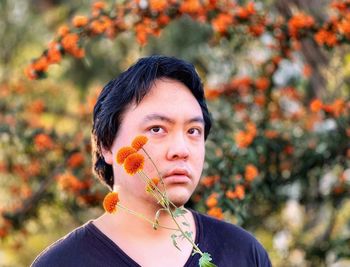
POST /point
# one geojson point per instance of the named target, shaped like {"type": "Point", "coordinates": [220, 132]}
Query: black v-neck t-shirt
{"type": "Point", "coordinates": [87, 246]}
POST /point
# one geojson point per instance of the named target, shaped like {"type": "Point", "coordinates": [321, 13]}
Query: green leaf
{"type": "Point", "coordinates": [179, 211]}
{"type": "Point", "coordinates": [185, 224]}
{"type": "Point", "coordinates": [205, 261]}
{"type": "Point", "coordinates": [189, 234]}
{"type": "Point", "coordinates": [173, 237]}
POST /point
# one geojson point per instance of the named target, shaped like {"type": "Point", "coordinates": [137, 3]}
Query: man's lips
{"type": "Point", "coordinates": [177, 175]}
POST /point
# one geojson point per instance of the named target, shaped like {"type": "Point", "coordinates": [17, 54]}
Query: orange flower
{"type": "Point", "coordinates": [75, 160]}
{"type": "Point", "coordinates": [338, 107]}
{"type": "Point", "coordinates": [271, 134]}
{"type": "Point", "coordinates": [344, 26]}
{"type": "Point", "coordinates": [157, 5]}
{"type": "Point", "coordinates": [262, 83]}
{"type": "Point", "coordinates": [37, 106]}
{"type": "Point", "coordinates": [212, 201]}
{"type": "Point", "coordinates": [251, 172]}
{"type": "Point", "coordinates": [245, 138]}
{"type": "Point", "coordinates": [110, 202]}
{"type": "Point", "coordinates": [98, 5]}
{"type": "Point", "coordinates": [100, 25]}
{"type": "Point", "coordinates": [190, 6]}
{"type": "Point", "coordinates": [316, 105]}
{"type": "Point", "coordinates": [211, 94]}
{"type": "Point", "coordinates": [139, 142]}
{"type": "Point", "coordinates": [240, 191]}
{"type": "Point", "coordinates": [163, 20]}
{"type": "Point", "coordinates": [70, 183]}
{"type": "Point", "coordinates": [216, 212]}
{"type": "Point", "coordinates": [326, 37]}
{"type": "Point", "coordinates": [80, 21]}
{"type": "Point", "coordinates": [134, 163]}
{"type": "Point", "coordinates": [245, 12]}
{"type": "Point", "coordinates": [209, 181]}
{"type": "Point", "coordinates": [54, 53]}
{"type": "Point", "coordinates": [260, 100]}
{"type": "Point", "coordinates": [230, 194]}
{"type": "Point", "coordinates": [70, 44]}
{"type": "Point", "coordinates": [43, 141]}
{"type": "Point", "coordinates": [222, 22]}
{"type": "Point", "coordinates": [41, 64]}
{"type": "Point", "coordinates": [298, 22]}
{"type": "Point", "coordinates": [63, 30]}
{"type": "Point", "coordinates": [151, 184]}
{"type": "Point", "coordinates": [257, 30]}
{"type": "Point", "coordinates": [30, 72]}
{"type": "Point", "coordinates": [123, 153]}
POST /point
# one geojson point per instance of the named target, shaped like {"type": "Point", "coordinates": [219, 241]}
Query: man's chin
{"type": "Point", "coordinates": [178, 198]}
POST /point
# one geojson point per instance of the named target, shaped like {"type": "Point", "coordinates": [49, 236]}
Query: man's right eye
{"type": "Point", "coordinates": [156, 130]}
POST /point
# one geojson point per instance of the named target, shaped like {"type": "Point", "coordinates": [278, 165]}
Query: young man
{"type": "Point", "coordinates": [163, 99]}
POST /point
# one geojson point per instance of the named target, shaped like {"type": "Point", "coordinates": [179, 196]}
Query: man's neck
{"type": "Point", "coordinates": [142, 219]}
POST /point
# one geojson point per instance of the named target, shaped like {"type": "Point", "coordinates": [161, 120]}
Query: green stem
{"type": "Point", "coordinates": [143, 217]}
{"type": "Point", "coordinates": [155, 166]}
{"type": "Point", "coordinates": [196, 248]}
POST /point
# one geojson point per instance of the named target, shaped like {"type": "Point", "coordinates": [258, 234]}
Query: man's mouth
{"type": "Point", "coordinates": [177, 175]}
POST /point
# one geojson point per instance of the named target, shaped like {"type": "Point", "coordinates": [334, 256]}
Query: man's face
{"type": "Point", "coordinates": [171, 118]}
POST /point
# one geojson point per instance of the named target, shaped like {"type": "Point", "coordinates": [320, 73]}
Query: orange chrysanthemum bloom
{"type": "Point", "coordinates": [139, 142]}
{"type": "Point", "coordinates": [43, 141]}
{"type": "Point", "coordinates": [75, 160]}
{"type": "Point", "coordinates": [37, 106]}
{"type": "Point", "coordinates": [316, 105]}
{"type": "Point", "coordinates": [151, 185]}
{"type": "Point", "coordinates": [245, 12]}
{"type": "Point", "coordinates": [30, 72]}
{"type": "Point", "coordinates": [63, 30]}
{"type": "Point", "coordinates": [209, 181]}
{"type": "Point", "coordinates": [80, 21]}
{"type": "Point", "coordinates": [216, 212]}
{"type": "Point", "coordinates": [326, 37]}
{"type": "Point", "coordinates": [299, 21]}
{"type": "Point", "coordinates": [134, 163]}
{"type": "Point", "coordinates": [190, 6]}
{"type": "Point", "coordinates": [251, 172]}
{"type": "Point", "coordinates": [222, 22]}
{"type": "Point", "coordinates": [338, 107]}
{"type": "Point", "coordinates": [41, 64]}
{"type": "Point", "coordinates": [157, 5]}
{"type": "Point", "coordinates": [262, 83]}
{"type": "Point", "coordinates": [54, 53]}
{"type": "Point", "coordinates": [212, 201]}
{"type": "Point", "coordinates": [110, 202]}
{"type": "Point", "coordinates": [123, 153]}
{"type": "Point", "coordinates": [240, 191]}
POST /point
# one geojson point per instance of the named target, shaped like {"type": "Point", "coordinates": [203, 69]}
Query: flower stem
{"type": "Point", "coordinates": [144, 218]}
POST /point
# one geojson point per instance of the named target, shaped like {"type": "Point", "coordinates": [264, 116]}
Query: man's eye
{"type": "Point", "coordinates": [195, 131]}
{"type": "Point", "coordinates": [156, 130]}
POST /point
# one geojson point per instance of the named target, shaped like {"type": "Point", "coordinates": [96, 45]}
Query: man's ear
{"type": "Point", "coordinates": [107, 155]}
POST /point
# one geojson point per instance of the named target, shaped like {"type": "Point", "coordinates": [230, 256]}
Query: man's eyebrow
{"type": "Point", "coordinates": [160, 117]}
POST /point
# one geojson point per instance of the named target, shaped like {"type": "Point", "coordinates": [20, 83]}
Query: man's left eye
{"type": "Point", "coordinates": [194, 131]}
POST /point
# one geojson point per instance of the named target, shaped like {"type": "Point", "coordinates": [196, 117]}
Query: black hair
{"type": "Point", "coordinates": [132, 85]}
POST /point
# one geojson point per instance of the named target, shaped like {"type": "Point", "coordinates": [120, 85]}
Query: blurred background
{"type": "Point", "coordinates": [277, 79]}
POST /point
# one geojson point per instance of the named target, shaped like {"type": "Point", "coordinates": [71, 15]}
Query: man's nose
{"type": "Point", "coordinates": [178, 148]}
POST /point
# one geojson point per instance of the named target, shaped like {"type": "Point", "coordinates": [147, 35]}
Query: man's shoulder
{"type": "Point", "coordinates": [229, 243]}
{"type": "Point", "coordinates": [64, 250]}
{"type": "Point", "coordinates": [222, 228]}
